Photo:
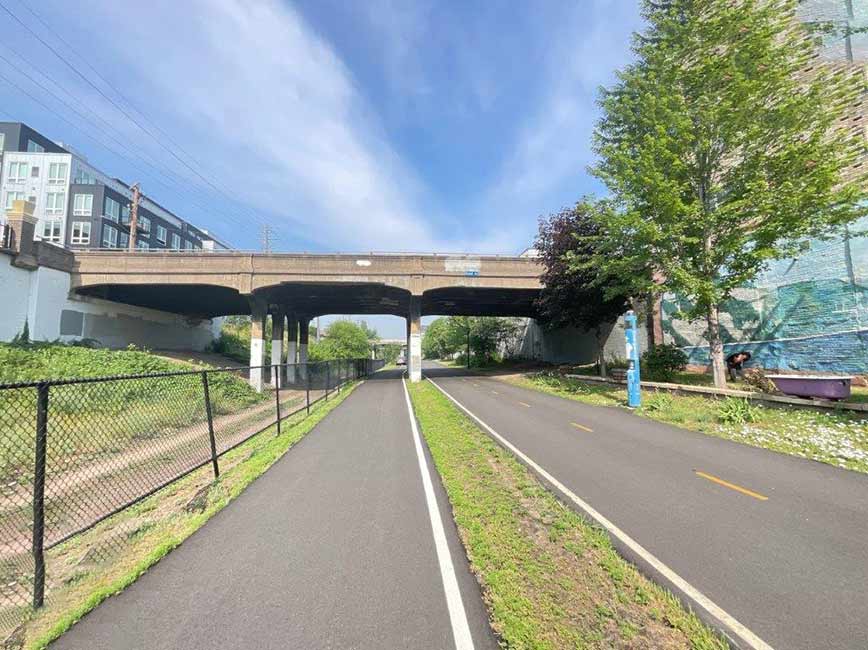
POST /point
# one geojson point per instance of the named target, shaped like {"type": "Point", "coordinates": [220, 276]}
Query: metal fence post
{"type": "Point", "coordinates": [277, 402]}
{"type": "Point", "coordinates": [211, 438]}
{"type": "Point", "coordinates": [39, 495]}
{"type": "Point", "coordinates": [328, 379]}
{"type": "Point", "coordinates": [307, 387]}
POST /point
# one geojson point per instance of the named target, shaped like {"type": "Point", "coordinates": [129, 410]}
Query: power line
{"type": "Point", "coordinates": [78, 128]}
{"type": "Point", "coordinates": [178, 181]}
{"type": "Point", "coordinates": [266, 238]}
{"type": "Point", "coordinates": [132, 119]}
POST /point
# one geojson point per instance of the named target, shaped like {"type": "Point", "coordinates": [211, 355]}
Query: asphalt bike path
{"type": "Point", "coordinates": [333, 547]}
{"type": "Point", "coordinates": [779, 543]}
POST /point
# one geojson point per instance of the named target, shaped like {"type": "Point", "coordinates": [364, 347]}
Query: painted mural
{"type": "Point", "coordinates": [806, 314]}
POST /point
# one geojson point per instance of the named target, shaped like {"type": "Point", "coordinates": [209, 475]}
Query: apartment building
{"type": "Point", "coordinates": [78, 206]}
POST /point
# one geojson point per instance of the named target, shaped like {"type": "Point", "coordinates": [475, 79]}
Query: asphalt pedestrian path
{"type": "Point", "coordinates": [779, 543]}
{"type": "Point", "coordinates": [334, 547]}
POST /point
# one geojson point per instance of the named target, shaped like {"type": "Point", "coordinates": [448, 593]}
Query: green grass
{"type": "Point", "coordinates": [550, 579]}
{"type": "Point", "coordinates": [839, 438]}
{"type": "Point", "coordinates": [95, 418]}
{"type": "Point", "coordinates": [155, 526]}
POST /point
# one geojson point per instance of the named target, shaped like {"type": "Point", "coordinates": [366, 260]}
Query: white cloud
{"type": "Point", "coordinates": [554, 145]}
{"type": "Point", "coordinates": [272, 102]}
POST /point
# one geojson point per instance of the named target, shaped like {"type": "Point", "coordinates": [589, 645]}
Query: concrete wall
{"type": "Point", "coordinates": [571, 345]}
{"type": "Point", "coordinates": [41, 297]}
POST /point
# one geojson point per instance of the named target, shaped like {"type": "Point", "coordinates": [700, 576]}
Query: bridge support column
{"type": "Point", "coordinates": [277, 319]}
{"type": "Point", "coordinates": [258, 314]}
{"type": "Point", "coordinates": [414, 344]}
{"type": "Point", "coordinates": [303, 335]}
{"type": "Point", "coordinates": [292, 349]}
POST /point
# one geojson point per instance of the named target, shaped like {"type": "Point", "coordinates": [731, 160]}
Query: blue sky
{"type": "Point", "coordinates": [375, 125]}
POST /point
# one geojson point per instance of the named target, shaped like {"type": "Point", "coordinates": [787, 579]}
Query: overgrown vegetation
{"type": "Point", "coordinates": [838, 438]}
{"type": "Point", "coordinates": [550, 579]}
{"type": "Point", "coordinates": [120, 410]}
{"type": "Point", "coordinates": [485, 338]}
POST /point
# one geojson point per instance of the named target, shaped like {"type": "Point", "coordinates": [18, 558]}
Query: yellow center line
{"type": "Point", "coordinates": [525, 404]}
{"type": "Point", "coordinates": [475, 384]}
{"type": "Point", "coordinates": [731, 486]}
{"type": "Point", "coordinates": [582, 427]}
{"type": "Point", "coordinates": [494, 392]}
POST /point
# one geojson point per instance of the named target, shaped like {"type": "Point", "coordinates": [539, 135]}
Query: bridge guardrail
{"type": "Point", "coordinates": [76, 452]}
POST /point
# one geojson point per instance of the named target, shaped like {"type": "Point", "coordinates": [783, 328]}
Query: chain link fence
{"type": "Point", "coordinates": [75, 452]}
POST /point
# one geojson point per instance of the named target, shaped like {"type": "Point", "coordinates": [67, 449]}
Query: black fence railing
{"type": "Point", "coordinates": [75, 452]}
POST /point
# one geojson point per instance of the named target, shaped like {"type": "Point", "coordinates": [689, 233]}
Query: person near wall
{"type": "Point", "coordinates": [735, 361]}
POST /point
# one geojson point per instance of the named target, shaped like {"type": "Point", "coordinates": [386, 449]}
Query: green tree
{"type": "Point", "coordinates": [343, 339]}
{"type": "Point", "coordinates": [436, 342]}
{"type": "Point", "coordinates": [573, 291]}
{"type": "Point", "coordinates": [485, 335]}
{"type": "Point", "coordinates": [721, 153]}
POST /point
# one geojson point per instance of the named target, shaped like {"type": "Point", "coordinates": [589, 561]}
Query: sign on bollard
{"type": "Point", "coordinates": [634, 397]}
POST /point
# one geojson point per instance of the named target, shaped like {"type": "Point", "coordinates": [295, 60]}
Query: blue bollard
{"type": "Point", "coordinates": [634, 395]}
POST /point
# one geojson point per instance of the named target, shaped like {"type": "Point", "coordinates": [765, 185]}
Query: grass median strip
{"type": "Point", "coordinates": [92, 566]}
{"type": "Point", "coordinates": [550, 579]}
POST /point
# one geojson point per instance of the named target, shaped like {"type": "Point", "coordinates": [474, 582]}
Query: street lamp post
{"type": "Point", "coordinates": [634, 397]}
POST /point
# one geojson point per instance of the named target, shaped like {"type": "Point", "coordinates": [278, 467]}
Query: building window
{"type": "Point", "coordinates": [55, 203]}
{"type": "Point", "coordinates": [142, 245]}
{"type": "Point", "coordinates": [188, 245]}
{"type": "Point", "coordinates": [123, 241]}
{"type": "Point", "coordinates": [109, 237]}
{"type": "Point", "coordinates": [80, 233]}
{"type": "Point", "coordinates": [2, 141]}
{"type": "Point", "coordinates": [33, 147]}
{"type": "Point", "coordinates": [144, 223]}
{"type": "Point", "coordinates": [11, 197]}
{"type": "Point", "coordinates": [112, 210]}
{"type": "Point", "coordinates": [161, 234]}
{"type": "Point", "coordinates": [57, 174]}
{"type": "Point", "coordinates": [176, 241]}
{"type": "Point", "coordinates": [34, 172]}
{"type": "Point", "coordinates": [51, 231]}
{"type": "Point", "coordinates": [18, 172]}
{"type": "Point", "coordinates": [82, 205]}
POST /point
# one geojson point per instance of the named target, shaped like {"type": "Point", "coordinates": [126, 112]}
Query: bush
{"type": "Point", "coordinates": [659, 403]}
{"type": "Point", "coordinates": [756, 378]}
{"type": "Point", "coordinates": [661, 362]}
{"type": "Point", "coordinates": [737, 411]}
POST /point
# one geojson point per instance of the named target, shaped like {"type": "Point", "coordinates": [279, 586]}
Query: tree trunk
{"type": "Point", "coordinates": [715, 347]}
{"type": "Point", "coordinates": [601, 357]}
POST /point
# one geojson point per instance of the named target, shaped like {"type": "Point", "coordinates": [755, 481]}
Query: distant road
{"type": "Point", "coordinates": [780, 543]}
{"type": "Point", "coordinates": [331, 548]}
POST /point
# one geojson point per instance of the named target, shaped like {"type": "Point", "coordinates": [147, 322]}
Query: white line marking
{"type": "Point", "coordinates": [726, 619]}
{"type": "Point", "coordinates": [457, 614]}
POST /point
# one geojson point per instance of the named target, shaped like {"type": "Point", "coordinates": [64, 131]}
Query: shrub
{"type": "Point", "coordinates": [661, 362]}
{"type": "Point", "coordinates": [737, 411]}
{"type": "Point", "coordinates": [756, 378]}
{"type": "Point", "coordinates": [659, 403]}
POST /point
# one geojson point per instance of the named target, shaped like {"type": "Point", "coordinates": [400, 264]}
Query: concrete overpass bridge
{"type": "Point", "coordinates": [293, 288]}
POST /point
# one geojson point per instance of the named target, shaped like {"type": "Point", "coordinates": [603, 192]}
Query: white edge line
{"type": "Point", "coordinates": [726, 620]}
{"type": "Point", "coordinates": [457, 614]}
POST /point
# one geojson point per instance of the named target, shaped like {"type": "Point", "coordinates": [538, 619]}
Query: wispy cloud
{"type": "Point", "coordinates": [277, 118]}
{"type": "Point", "coordinates": [553, 146]}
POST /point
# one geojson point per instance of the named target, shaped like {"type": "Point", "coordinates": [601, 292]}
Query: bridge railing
{"type": "Point", "coordinates": [78, 457]}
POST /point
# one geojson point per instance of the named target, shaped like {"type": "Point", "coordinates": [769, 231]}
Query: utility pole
{"type": "Point", "coordinates": [134, 215]}
{"type": "Point", "coordinates": [266, 238]}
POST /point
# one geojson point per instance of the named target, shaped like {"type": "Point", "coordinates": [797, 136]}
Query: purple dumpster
{"type": "Point", "coordinates": [813, 386]}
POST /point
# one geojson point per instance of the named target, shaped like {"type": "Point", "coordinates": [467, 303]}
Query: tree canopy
{"type": "Point", "coordinates": [721, 153]}
{"type": "Point", "coordinates": [574, 291]}
{"type": "Point", "coordinates": [343, 339]}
